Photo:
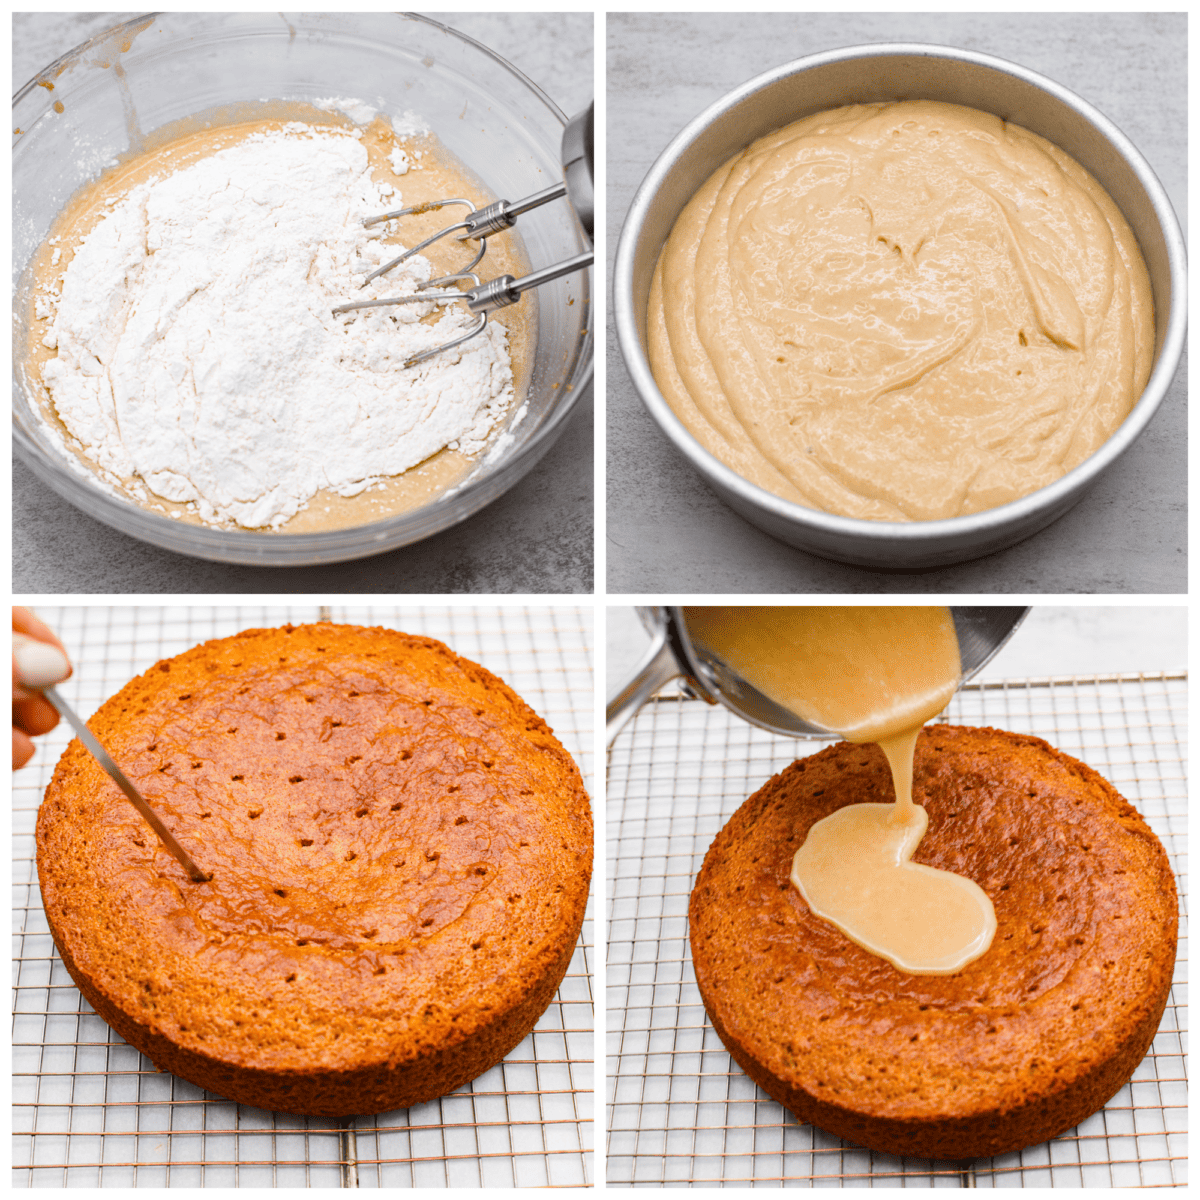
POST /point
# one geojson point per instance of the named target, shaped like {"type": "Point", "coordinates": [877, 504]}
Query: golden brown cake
{"type": "Point", "coordinates": [1021, 1044]}
{"type": "Point", "coordinates": [400, 851]}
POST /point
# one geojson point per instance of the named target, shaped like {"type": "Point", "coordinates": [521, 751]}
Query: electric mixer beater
{"type": "Point", "coordinates": [578, 157]}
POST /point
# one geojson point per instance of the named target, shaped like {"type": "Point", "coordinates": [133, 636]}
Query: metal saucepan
{"type": "Point", "coordinates": [672, 655]}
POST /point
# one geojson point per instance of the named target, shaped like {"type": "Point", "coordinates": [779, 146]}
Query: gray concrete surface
{"type": "Point", "coordinates": [537, 538]}
{"type": "Point", "coordinates": [666, 530]}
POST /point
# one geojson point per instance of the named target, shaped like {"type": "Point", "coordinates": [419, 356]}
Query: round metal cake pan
{"type": "Point", "coordinates": [900, 71]}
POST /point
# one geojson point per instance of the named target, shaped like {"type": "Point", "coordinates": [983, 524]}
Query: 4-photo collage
{"type": "Point", "coordinates": [445, 757]}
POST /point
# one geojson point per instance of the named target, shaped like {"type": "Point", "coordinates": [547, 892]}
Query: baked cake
{"type": "Point", "coordinates": [1017, 1047]}
{"type": "Point", "coordinates": [400, 851]}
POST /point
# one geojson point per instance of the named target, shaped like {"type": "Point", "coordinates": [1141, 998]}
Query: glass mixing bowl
{"type": "Point", "coordinates": [141, 75]}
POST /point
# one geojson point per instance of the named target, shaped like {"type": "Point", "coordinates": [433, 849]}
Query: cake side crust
{"type": "Point", "coordinates": [354, 1091]}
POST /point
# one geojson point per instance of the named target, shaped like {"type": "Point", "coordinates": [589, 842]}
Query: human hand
{"type": "Point", "coordinates": [39, 658]}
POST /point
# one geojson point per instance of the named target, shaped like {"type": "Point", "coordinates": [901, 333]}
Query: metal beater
{"type": "Point", "coordinates": [578, 186]}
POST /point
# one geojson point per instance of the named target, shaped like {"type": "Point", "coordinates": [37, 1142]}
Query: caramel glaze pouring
{"type": "Point", "coordinates": [870, 675]}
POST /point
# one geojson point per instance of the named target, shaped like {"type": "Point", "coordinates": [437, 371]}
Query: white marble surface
{"type": "Point", "coordinates": [666, 530]}
{"type": "Point", "coordinates": [538, 537]}
{"type": "Point", "coordinates": [1052, 640]}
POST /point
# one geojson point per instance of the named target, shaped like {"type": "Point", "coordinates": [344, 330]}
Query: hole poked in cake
{"type": "Point", "coordinates": [369, 774]}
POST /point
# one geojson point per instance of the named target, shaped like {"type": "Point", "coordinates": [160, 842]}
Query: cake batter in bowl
{"type": "Point", "coordinates": [109, 98]}
{"type": "Point", "coordinates": [869, 75]}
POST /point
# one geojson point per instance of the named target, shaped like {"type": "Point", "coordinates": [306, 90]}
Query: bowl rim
{"type": "Point", "coordinates": [1055, 497]}
{"type": "Point", "coordinates": [324, 546]}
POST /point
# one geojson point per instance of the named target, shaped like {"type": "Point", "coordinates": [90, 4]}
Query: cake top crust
{"type": "Point", "coordinates": [398, 846]}
{"type": "Point", "coordinates": [1086, 924]}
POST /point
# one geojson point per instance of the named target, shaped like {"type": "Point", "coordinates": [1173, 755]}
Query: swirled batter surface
{"type": "Point", "coordinates": [903, 311]}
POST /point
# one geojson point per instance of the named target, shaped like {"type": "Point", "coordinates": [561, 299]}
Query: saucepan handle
{"type": "Point", "coordinates": [656, 670]}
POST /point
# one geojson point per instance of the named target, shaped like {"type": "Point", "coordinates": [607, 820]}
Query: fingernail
{"type": "Point", "coordinates": [39, 663]}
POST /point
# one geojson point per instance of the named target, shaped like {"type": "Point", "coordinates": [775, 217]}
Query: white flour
{"type": "Point", "coordinates": [410, 124]}
{"type": "Point", "coordinates": [358, 111]}
{"type": "Point", "coordinates": [197, 351]}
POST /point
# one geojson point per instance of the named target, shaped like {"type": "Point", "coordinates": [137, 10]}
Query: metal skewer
{"type": "Point", "coordinates": [119, 777]}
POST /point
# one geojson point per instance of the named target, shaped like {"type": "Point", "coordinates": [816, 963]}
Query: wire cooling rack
{"type": "Point", "coordinates": [682, 1112]}
{"type": "Point", "coordinates": [90, 1111]}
